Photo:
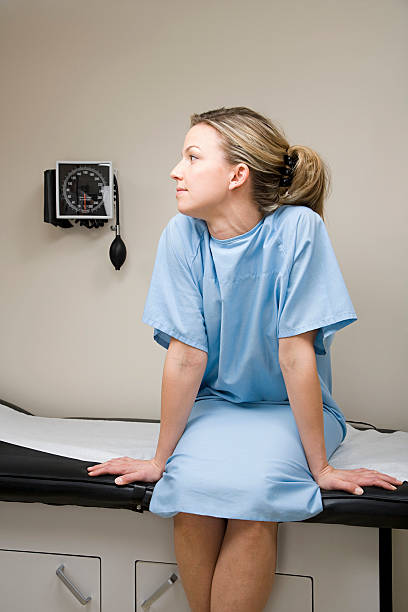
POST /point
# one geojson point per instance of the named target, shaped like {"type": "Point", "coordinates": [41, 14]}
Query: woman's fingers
{"type": "Point", "coordinates": [128, 478]}
{"type": "Point", "coordinates": [350, 487]}
{"type": "Point", "coordinates": [113, 466]}
{"type": "Point", "coordinates": [373, 477]}
{"type": "Point", "coordinates": [93, 468]}
{"type": "Point", "coordinates": [109, 469]}
{"type": "Point", "coordinates": [352, 480]}
{"type": "Point", "coordinates": [99, 466]}
{"type": "Point", "coordinates": [128, 470]}
{"type": "Point", "coordinates": [384, 476]}
{"type": "Point", "coordinates": [382, 482]}
{"type": "Point", "coordinates": [374, 480]}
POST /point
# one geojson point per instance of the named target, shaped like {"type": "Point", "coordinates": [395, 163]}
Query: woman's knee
{"type": "Point", "coordinates": [255, 527]}
{"type": "Point", "coordinates": [191, 516]}
{"type": "Point", "coordinates": [186, 518]}
{"type": "Point", "coordinates": [254, 524]}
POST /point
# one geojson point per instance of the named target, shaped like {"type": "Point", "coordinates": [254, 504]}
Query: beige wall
{"type": "Point", "coordinates": [118, 80]}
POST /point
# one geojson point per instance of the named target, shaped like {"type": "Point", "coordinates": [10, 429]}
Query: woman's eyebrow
{"type": "Point", "coordinates": [190, 147]}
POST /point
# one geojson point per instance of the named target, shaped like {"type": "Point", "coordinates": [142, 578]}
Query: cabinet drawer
{"type": "Point", "coordinates": [28, 581]}
{"type": "Point", "coordinates": [163, 579]}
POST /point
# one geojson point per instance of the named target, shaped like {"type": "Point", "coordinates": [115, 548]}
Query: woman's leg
{"type": "Point", "coordinates": [197, 541]}
{"type": "Point", "coordinates": [245, 569]}
{"type": "Point", "coordinates": [228, 563]}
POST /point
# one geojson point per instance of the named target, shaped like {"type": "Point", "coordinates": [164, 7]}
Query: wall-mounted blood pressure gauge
{"type": "Point", "coordinates": [84, 190]}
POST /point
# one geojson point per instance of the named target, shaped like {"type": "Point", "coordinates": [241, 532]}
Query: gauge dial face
{"type": "Point", "coordinates": [84, 189]}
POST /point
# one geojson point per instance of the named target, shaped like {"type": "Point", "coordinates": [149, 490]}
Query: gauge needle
{"type": "Point", "coordinates": [84, 201]}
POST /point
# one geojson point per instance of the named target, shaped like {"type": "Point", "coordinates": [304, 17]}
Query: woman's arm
{"type": "Point", "coordinates": [298, 364]}
{"type": "Point", "coordinates": [182, 375]}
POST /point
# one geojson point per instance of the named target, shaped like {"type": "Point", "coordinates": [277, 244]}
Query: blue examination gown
{"type": "Point", "coordinates": [240, 455]}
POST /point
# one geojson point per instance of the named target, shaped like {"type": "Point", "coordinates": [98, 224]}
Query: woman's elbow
{"type": "Point", "coordinates": [295, 348]}
{"type": "Point", "coordinates": [186, 355]}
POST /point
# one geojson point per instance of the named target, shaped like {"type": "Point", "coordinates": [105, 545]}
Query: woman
{"type": "Point", "coordinates": [246, 295]}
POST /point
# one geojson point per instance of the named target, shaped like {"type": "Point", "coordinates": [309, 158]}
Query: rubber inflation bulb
{"type": "Point", "coordinates": [117, 252]}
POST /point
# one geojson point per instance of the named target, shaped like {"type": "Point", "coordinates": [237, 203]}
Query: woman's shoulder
{"type": "Point", "coordinates": [292, 213]}
{"type": "Point", "coordinates": [185, 234]}
{"type": "Point", "coordinates": [290, 222]}
{"type": "Point", "coordinates": [187, 224]}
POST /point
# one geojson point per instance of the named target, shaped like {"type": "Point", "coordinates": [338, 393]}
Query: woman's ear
{"type": "Point", "coordinates": [240, 175]}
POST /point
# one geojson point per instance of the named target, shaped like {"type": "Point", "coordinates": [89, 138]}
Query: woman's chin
{"type": "Point", "coordinates": [185, 209]}
{"type": "Point", "coordinates": [189, 209]}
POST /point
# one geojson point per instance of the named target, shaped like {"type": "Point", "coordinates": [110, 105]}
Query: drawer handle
{"type": "Point", "coordinates": [81, 598]}
{"type": "Point", "coordinates": [159, 592]}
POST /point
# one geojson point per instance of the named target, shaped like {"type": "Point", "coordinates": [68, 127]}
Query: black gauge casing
{"type": "Point", "coordinates": [84, 189]}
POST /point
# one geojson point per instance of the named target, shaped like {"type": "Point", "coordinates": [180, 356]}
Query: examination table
{"type": "Point", "coordinates": [69, 542]}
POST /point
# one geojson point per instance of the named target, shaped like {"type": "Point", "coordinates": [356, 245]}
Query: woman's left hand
{"type": "Point", "coordinates": [349, 480]}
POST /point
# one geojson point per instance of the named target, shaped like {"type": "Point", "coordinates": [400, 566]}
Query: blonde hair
{"type": "Point", "coordinates": [250, 138]}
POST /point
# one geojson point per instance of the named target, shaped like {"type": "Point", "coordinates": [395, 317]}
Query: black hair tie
{"type": "Point", "coordinates": [287, 171]}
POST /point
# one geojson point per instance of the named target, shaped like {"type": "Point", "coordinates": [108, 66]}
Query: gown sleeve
{"type": "Point", "coordinates": [174, 304]}
{"type": "Point", "coordinates": [316, 296]}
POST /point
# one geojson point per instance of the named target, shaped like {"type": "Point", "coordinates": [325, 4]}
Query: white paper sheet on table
{"type": "Point", "coordinates": [384, 452]}
{"type": "Point", "coordinates": [86, 439]}
{"type": "Point", "coordinates": [99, 441]}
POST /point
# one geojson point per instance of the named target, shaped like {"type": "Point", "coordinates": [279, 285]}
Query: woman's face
{"type": "Point", "coordinates": [203, 173]}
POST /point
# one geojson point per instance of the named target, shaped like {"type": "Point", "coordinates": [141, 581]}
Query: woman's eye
{"type": "Point", "coordinates": [193, 156]}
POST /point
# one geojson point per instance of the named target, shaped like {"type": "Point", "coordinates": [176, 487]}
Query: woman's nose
{"type": "Point", "coordinates": [175, 173]}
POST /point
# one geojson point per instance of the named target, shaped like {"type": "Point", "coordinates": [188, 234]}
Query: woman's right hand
{"type": "Point", "coordinates": [130, 469]}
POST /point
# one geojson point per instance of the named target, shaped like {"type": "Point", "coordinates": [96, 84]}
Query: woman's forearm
{"type": "Point", "coordinates": [180, 385]}
{"type": "Point", "coordinates": [305, 398]}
